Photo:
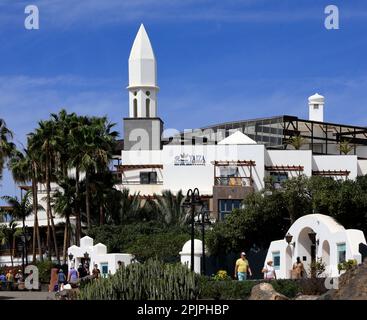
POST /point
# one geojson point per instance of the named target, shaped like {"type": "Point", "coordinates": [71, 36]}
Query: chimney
{"type": "Point", "coordinates": [316, 107]}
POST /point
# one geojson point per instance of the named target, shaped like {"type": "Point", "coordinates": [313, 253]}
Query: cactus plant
{"type": "Point", "coordinates": [152, 280]}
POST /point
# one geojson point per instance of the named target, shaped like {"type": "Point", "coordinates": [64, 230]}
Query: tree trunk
{"type": "Point", "coordinates": [12, 252]}
{"type": "Point", "coordinates": [101, 215]}
{"type": "Point", "coordinates": [87, 204]}
{"type": "Point", "coordinates": [78, 229]}
{"type": "Point", "coordinates": [34, 195]}
{"type": "Point", "coordinates": [36, 231]}
{"type": "Point", "coordinates": [48, 190]}
{"type": "Point", "coordinates": [64, 254]}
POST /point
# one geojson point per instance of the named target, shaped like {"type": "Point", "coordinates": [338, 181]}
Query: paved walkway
{"type": "Point", "coordinates": [26, 295]}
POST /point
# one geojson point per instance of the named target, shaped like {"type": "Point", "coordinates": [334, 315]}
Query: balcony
{"type": "Point", "coordinates": [233, 181]}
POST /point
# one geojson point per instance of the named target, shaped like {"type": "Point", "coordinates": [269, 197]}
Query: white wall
{"type": "Point", "coordinates": [176, 177]}
{"type": "Point", "coordinates": [362, 167]}
{"type": "Point", "coordinates": [290, 158]}
{"type": "Point", "coordinates": [337, 162]}
{"type": "Point", "coordinates": [141, 157]}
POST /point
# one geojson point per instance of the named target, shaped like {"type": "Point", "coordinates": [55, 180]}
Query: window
{"type": "Point", "coordinates": [135, 93]}
{"type": "Point", "coordinates": [148, 177]}
{"type": "Point", "coordinates": [227, 206]}
{"type": "Point", "coordinates": [104, 269]}
{"type": "Point", "coordinates": [276, 260]}
{"type": "Point", "coordinates": [135, 108]}
{"type": "Point", "coordinates": [147, 93]}
{"type": "Point", "coordinates": [147, 106]}
{"type": "Point", "coordinates": [316, 107]}
{"type": "Point", "coordinates": [277, 178]}
{"type": "Point", "coordinates": [341, 249]}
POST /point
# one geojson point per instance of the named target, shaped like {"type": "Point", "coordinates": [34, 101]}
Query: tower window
{"type": "Point", "coordinates": [316, 107]}
{"type": "Point", "coordinates": [147, 93]}
{"type": "Point", "coordinates": [147, 106]}
{"type": "Point", "coordinates": [135, 108]}
{"type": "Point", "coordinates": [135, 93]}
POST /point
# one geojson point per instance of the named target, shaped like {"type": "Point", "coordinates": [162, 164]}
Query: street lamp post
{"type": "Point", "coordinates": [27, 237]}
{"type": "Point", "coordinates": [191, 201]}
{"type": "Point", "coordinates": [204, 221]}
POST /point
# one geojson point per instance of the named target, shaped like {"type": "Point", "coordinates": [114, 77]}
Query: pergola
{"type": "Point", "coordinates": [343, 173]}
{"type": "Point", "coordinates": [284, 168]}
{"type": "Point", "coordinates": [235, 163]}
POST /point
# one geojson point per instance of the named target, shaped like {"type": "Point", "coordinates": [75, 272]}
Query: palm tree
{"type": "Point", "coordinates": [170, 207]}
{"type": "Point", "coordinates": [23, 170]}
{"type": "Point", "coordinates": [8, 235]}
{"type": "Point", "coordinates": [297, 142]}
{"type": "Point", "coordinates": [6, 147]}
{"type": "Point", "coordinates": [102, 187]}
{"type": "Point", "coordinates": [93, 145]}
{"type": "Point", "coordinates": [130, 206]}
{"type": "Point", "coordinates": [344, 147]}
{"type": "Point", "coordinates": [21, 209]}
{"type": "Point", "coordinates": [43, 142]}
{"type": "Point", "coordinates": [63, 202]}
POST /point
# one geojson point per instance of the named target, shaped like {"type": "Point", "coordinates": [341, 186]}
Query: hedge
{"type": "Point", "coordinates": [241, 290]}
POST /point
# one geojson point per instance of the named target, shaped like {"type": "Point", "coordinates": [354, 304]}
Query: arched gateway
{"type": "Point", "coordinates": [313, 237]}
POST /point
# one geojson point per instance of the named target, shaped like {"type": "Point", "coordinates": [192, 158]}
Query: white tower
{"type": "Point", "coordinates": [316, 107]}
{"type": "Point", "coordinates": [143, 128]}
{"type": "Point", "coordinates": [142, 78]}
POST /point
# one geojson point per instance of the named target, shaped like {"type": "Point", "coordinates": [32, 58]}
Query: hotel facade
{"type": "Point", "coordinates": [227, 161]}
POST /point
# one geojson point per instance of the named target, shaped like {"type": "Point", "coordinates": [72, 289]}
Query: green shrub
{"type": "Point", "coordinates": [44, 270]}
{"type": "Point", "coordinates": [225, 290]}
{"type": "Point", "coordinates": [221, 275]}
{"type": "Point", "coordinates": [144, 240]}
{"type": "Point", "coordinates": [152, 280]}
{"type": "Point", "coordinates": [347, 265]}
{"type": "Point", "coordinates": [234, 290]}
{"type": "Point", "coordinates": [289, 288]}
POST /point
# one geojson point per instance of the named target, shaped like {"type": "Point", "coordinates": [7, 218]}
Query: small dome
{"type": "Point", "coordinates": [316, 98]}
{"type": "Point", "coordinates": [198, 247]}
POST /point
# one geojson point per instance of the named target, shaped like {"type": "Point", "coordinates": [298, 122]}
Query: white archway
{"type": "Point", "coordinates": [288, 261]}
{"type": "Point", "coordinates": [326, 252]}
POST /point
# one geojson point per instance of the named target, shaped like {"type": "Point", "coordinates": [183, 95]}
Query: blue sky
{"type": "Point", "coordinates": [217, 60]}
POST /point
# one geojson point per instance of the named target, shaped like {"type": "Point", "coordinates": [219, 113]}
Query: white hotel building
{"type": "Point", "coordinates": [225, 162]}
{"type": "Point", "coordinates": [229, 160]}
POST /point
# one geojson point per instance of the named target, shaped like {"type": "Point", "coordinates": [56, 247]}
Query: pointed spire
{"type": "Point", "coordinates": [142, 63]}
{"type": "Point", "coordinates": [142, 48]}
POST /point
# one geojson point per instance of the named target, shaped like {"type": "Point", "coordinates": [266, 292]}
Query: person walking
{"type": "Point", "coordinates": [61, 280]}
{"type": "Point", "coordinates": [82, 271]}
{"type": "Point", "coordinates": [10, 279]}
{"type": "Point", "coordinates": [298, 269]}
{"type": "Point", "coordinates": [96, 272]}
{"type": "Point", "coordinates": [73, 276]}
{"type": "Point", "coordinates": [269, 271]}
{"type": "Point", "coordinates": [242, 268]}
{"type": "Point", "coordinates": [18, 277]}
{"type": "Point", "coordinates": [3, 281]}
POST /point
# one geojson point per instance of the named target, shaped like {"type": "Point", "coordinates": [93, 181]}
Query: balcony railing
{"type": "Point", "coordinates": [233, 181]}
{"type": "Point", "coordinates": [138, 182]}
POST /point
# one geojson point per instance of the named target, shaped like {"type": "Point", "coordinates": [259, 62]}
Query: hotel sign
{"type": "Point", "coordinates": [185, 159]}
